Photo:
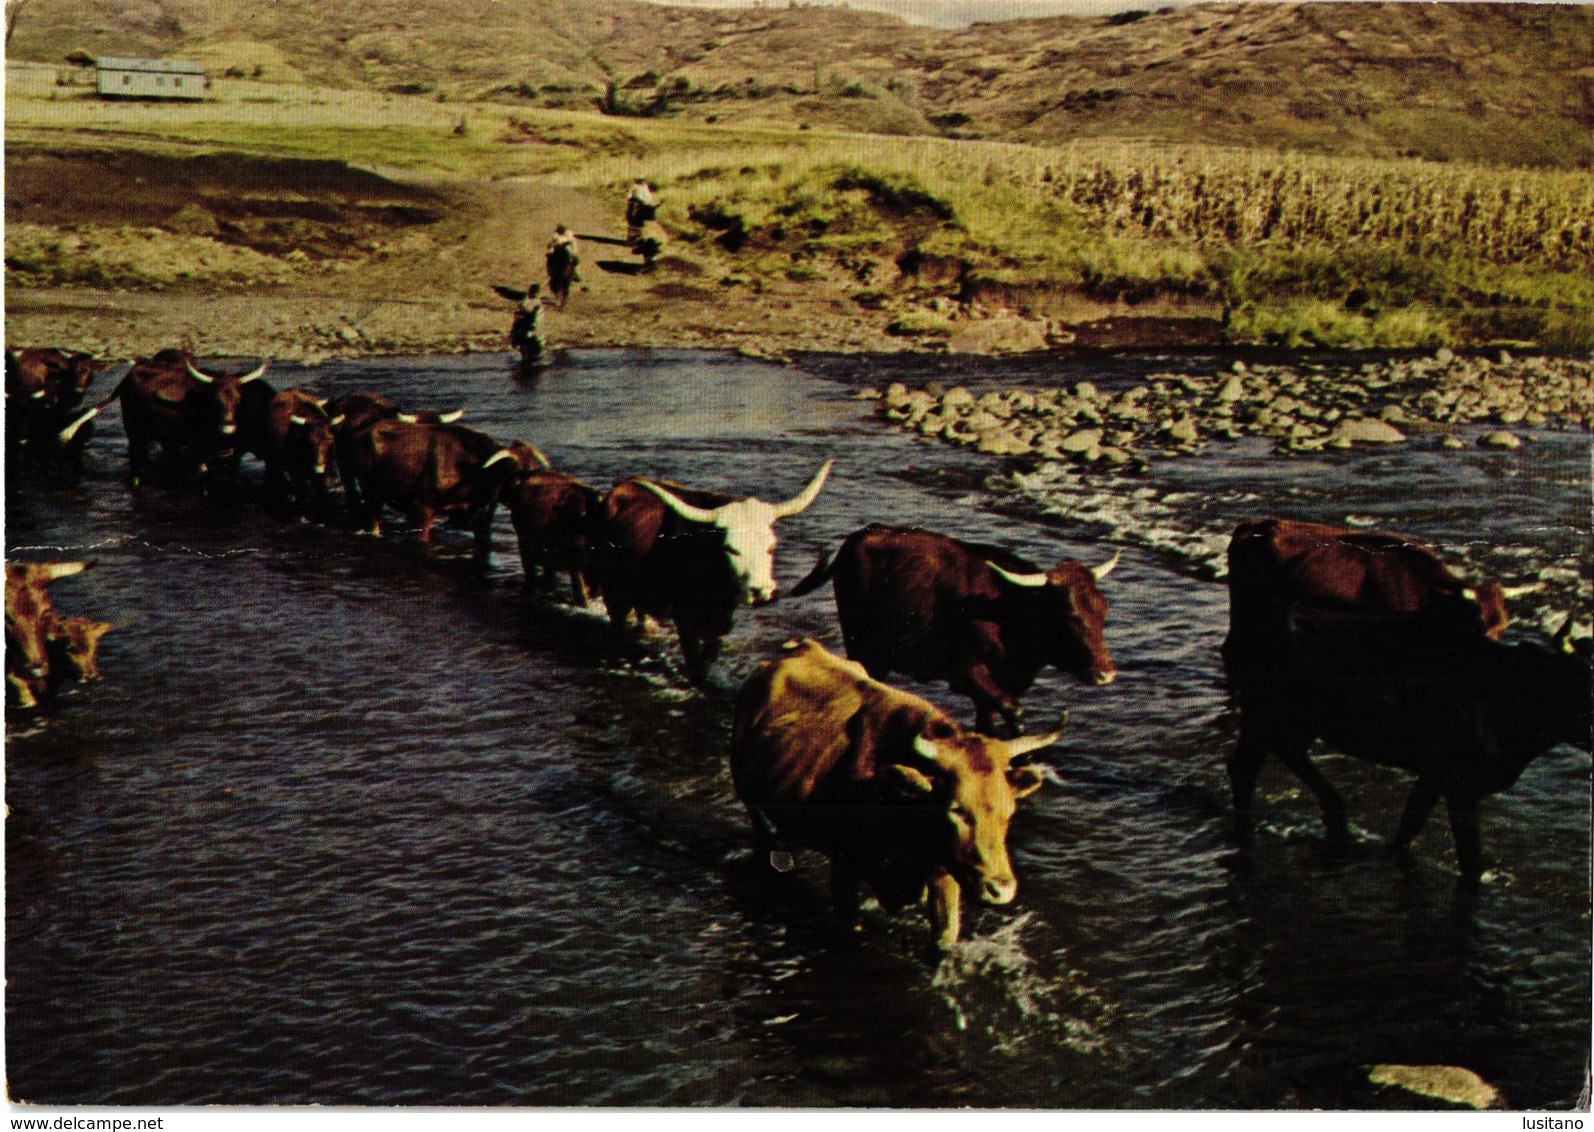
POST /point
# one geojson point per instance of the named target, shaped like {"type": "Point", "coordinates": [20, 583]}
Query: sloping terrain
{"type": "Point", "coordinates": [1507, 83]}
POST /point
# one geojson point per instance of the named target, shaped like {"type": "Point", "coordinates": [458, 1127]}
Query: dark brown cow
{"type": "Point", "coordinates": [979, 617]}
{"type": "Point", "coordinates": [74, 648]}
{"type": "Point", "coordinates": [29, 619]}
{"type": "Point", "coordinates": [297, 444]}
{"type": "Point", "coordinates": [1416, 691]}
{"type": "Point", "coordinates": [431, 471]}
{"type": "Point", "coordinates": [356, 412]}
{"type": "Point", "coordinates": [554, 516]}
{"type": "Point", "coordinates": [1273, 562]}
{"type": "Point", "coordinates": [190, 414]}
{"type": "Point", "coordinates": [882, 782]}
{"type": "Point", "coordinates": [44, 390]}
{"type": "Point", "coordinates": [57, 377]}
{"type": "Point", "coordinates": [665, 551]}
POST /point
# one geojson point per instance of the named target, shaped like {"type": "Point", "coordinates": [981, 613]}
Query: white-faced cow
{"type": "Point", "coordinates": [692, 557]}
{"type": "Point", "coordinates": [192, 415]}
{"type": "Point", "coordinates": [884, 783]}
{"type": "Point", "coordinates": [1415, 691]}
{"type": "Point", "coordinates": [979, 617]}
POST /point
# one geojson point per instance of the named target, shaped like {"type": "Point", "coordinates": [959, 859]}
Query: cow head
{"type": "Point", "coordinates": [29, 618]}
{"type": "Point", "coordinates": [1490, 600]}
{"type": "Point", "coordinates": [75, 646]}
{"type": "Point", "coordinates": [313, 434]}
{"type": "Point", "coordinates": [1072, 614]}
{"type": "Point", "coordinates": [978, 782]}
{"type": "Point", "coordinates": [228, 393]}
{"type": "Point", "coordinates": [748, 528]}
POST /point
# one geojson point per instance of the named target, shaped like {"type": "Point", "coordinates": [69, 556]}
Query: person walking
{"type": "Point", "coordinates": [564, 255]}
{"type": "Point", "coordinates": [525, 333]}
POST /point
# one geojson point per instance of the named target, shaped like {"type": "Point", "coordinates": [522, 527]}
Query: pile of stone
{"type": "Point", "coordinates": [1300, 408]}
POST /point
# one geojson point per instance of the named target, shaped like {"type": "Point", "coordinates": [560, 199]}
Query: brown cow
{"type": "Point", "coordinates": [296, 442]}
{"type": "Point", "coordinates": [1273, 562]}
{"type": "Point", "coordinates": [665, 551]}
{"type": "Point", "coordinates": [979, 617]}
{"type": "Point", "coordinates": [554, 515]}
{"type": "Point", "coordinates": [429, 471]}
{"type": "Point", "coordinates": [44, 389]}
{"type": "Point", "coordinates": [884, 783]}
{"type": "Point", "coordinates": [356, 412]}
{"type": "Point", "coordinates": [1416, 691]}
{"type": "Point", "coordinates": [190, 414]}
{"type": "Point", "coordinates": [29, 618]}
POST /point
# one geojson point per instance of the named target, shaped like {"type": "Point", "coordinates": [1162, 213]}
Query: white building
{"type": "Point", "coordinates": [150, 78]}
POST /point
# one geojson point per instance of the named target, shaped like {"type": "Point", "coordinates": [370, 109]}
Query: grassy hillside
{"type": "Point", "coordinates": [1508, 83]}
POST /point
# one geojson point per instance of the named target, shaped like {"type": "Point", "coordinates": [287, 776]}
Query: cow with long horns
{"type": "Point", "coordinates": [689, 556]}
{"type": "Point", "coordinates": [432, 471]}
{"type": "Point", "coordinates": [353, 413]}
{"type": "Point", "coordinates": [979, 617]}
{"type": "Point", "coordinates": [191, 414]}
{"type": "Point", "coordinates": [554, 514]}
{"type": "Point", "coordinates": [884, 783]}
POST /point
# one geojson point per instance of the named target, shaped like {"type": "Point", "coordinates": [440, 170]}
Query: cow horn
{"type": "Point", "coordinates": [1029, 581]}
{"type": "Point", "coordinates": [537, 455]}
{"type": "Point", "coordinates": [37, 393]}
{"type": "Point", "coordinates": [450, 418]}
{"type": "Point", "coordinates": [1510, 593]}
{"type": "Point", "coordinates": [298, 420]}
{"type": "Point", "coordinates": [197, 376]}
{"type": "Point", "coordinates": [501, 454]}
{"type": "Point", "coordinates": [1024, 744]}
{"type": "Point", "coordinates": [55, 570]}
{"type": "Point", "coordinates": [680, 506]}
{"type": "Point", "coordinates": [1100, 572]}
{"type": "Point", "coordinates": [808, 494]}
{"type": "Point", "coordinates": [337, 420]}
{"type": "Point", "coordinates": [927, 748]}
{"type": "Point", "coordinates": [254, 373]}
{"type": "Point", "coordinates": [70, 430]}
{"type": "Point", "coordinates": [407, 418]}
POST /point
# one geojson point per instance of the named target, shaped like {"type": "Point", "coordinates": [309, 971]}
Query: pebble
{"type": "Point", "coordinates": [1299, 410]}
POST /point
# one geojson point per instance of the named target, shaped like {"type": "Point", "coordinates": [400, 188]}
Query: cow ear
{"type": "Point", "coordinates": [908, 780]}
{"type": "Point", "coordinates": [1025, 780]}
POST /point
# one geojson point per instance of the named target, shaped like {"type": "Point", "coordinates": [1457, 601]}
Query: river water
{"type": "Point", "coordinates": [343, 824]}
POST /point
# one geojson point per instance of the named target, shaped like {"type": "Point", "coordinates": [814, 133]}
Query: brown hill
{"type": "Point", "coordinates": [1493, 82]}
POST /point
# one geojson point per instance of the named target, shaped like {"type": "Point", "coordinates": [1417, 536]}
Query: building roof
{"type": "Point", "coordinates": [163, 66]}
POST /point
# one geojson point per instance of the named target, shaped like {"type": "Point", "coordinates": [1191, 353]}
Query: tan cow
{"type": "Point", "coordinates": [884, 783]}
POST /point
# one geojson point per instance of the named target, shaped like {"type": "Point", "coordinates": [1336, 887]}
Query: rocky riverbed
{"type": "Point", "coordinates": [1300, 407]}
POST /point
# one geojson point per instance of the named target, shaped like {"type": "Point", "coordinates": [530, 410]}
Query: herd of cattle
{"type": "Point", "coordinates": [1367, 641]}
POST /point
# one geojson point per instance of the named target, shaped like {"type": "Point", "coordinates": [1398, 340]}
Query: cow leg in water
{"type": "Point", "coordinates": [1294, 755]}
{"type": "Point", "coordinates": [989, 699]}
{"type": "Point", "coordinates": [1419, 804]}
{"type": "Point", "coordinates": [1463, 806]}
{"type": "Point", "coordinates": [946, 909]}
{"type": "Point", "coordinates": [1245, 764]}
{"type": "Point", "coordinates": [482, 530]}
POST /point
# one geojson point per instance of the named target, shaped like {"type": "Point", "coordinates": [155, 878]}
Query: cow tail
{"type": "Point", "coordinates": [818, 576]}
